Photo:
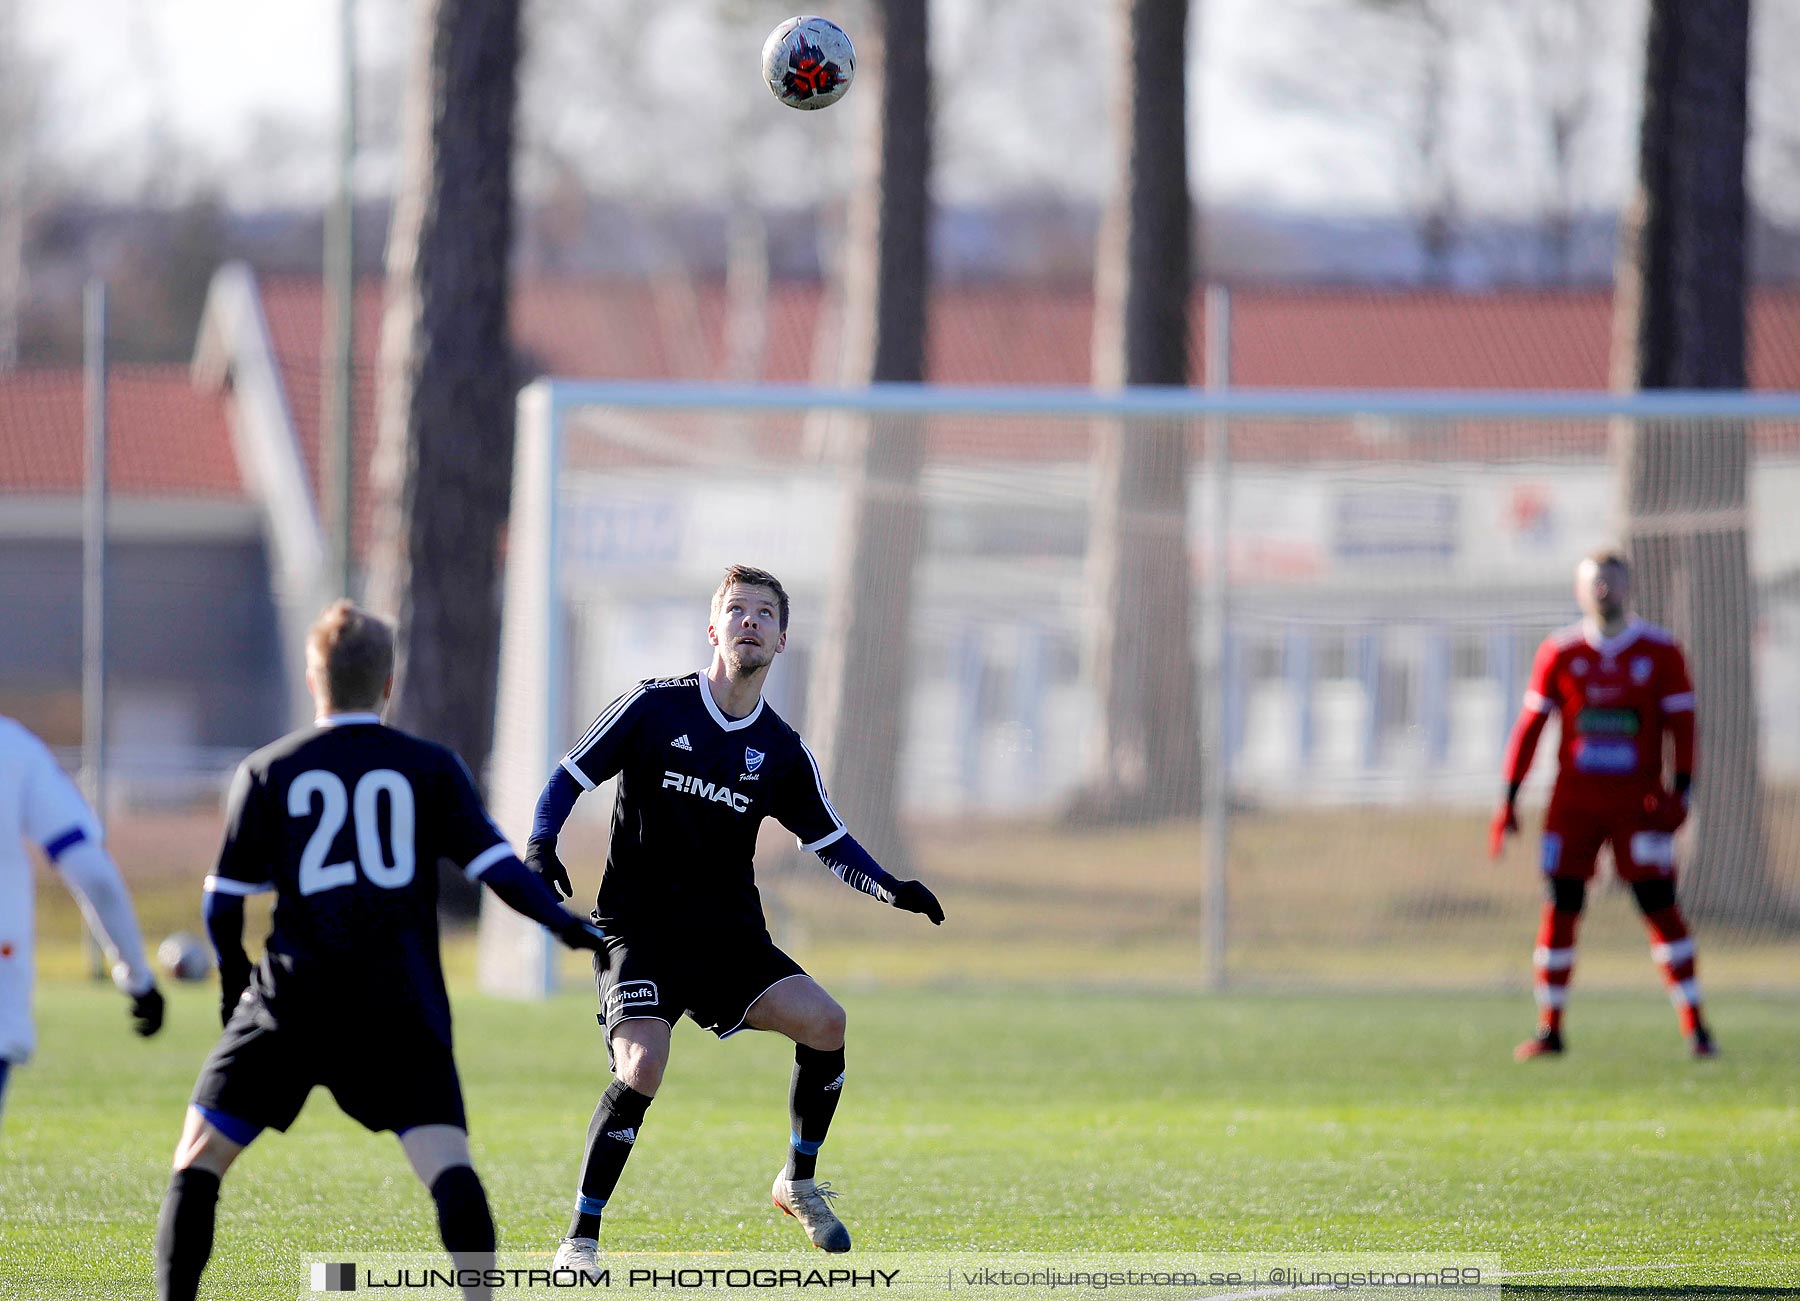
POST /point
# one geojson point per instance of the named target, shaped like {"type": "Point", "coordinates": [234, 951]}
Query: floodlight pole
{"type": "Point", "coordinates": [93, 570]}
{"type": "Point", "coordinates": [1215, 798]}
{"type": "Point", "coordinates": [338, 418]}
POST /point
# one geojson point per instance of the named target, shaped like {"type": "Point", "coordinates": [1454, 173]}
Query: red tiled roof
{"type": "Point", "coordinates": [1408, 340]}
{"type": "Point", "coordinates": [164, 437]}
{"type": "Point", "coordinates": [1511, 339]}
{"type": "Point", "coordinates": [999, 335]}
{"type": "Point", "coordinates": [1329, 338]}
{"type": "Point", "coordinates": [607, 330]}
{"type": "Point", "coordinates": [168, 438]}
{"type": "Point", "coordinates": [1282, 338]}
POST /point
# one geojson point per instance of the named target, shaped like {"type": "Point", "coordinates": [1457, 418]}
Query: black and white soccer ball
{"type": "Point", "coordinates": [808, 62]}
{"type": "Point", "coordinates": [184, 956]}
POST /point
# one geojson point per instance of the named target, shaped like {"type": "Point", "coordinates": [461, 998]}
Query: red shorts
{"type": "Point", "coordinates": [1643, 846]}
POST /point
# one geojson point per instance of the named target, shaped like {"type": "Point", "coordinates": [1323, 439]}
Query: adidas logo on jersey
{"type": "Point", "coordinates": [681, 742]}
{"type": "Point", "coordinates": [836, 1084]}
{"type": "Point", "coordinates": [622, 1135]}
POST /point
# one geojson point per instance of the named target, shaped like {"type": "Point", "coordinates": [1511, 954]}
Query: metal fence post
{"type": "Point", "coordinates": [1215, 742]}
{"type": "Point", "coordinates": [93, 575]}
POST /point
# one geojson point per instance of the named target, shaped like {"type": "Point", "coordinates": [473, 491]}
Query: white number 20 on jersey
{"type": "Point", "coordinates": [316, 874]}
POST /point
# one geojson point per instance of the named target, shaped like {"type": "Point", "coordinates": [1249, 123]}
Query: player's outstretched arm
{"type": "Point", "coordinates": [856, 867]}
{"type": "Point", "coordinates": [493, 863]}
{"type": "Point", "coordinates": [1520, 747]}
{"type": "Point", "coordinates": [553, 808]}
{"type": "Point", "coordinates": [242, 869]}
{"type": "Point", "coordinates": [1540, 701]}
{"type": "Point", "coordinates": [57, 818]}
{"type": "Point", "coordinates": [89, 872]}
{"type": "Point", "coordinates": [522, 891]}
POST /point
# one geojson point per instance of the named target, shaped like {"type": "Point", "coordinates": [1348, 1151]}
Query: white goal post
{"type": "Point", "coordinates": [1388, 560]}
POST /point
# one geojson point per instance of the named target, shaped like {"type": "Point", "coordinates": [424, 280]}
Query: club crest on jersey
{"type": "Point", "coordinates": [753, 759]}
{"type": "Point", "coordinates": [1640, 670]}
{"type": "Point", "coordinates": [1579, 668]}
{"type": "Point", "coordinates": [680, 781]}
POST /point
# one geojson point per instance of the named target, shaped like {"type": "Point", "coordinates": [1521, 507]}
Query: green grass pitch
{"type": "Point", "coordinates": [1000, 1120]}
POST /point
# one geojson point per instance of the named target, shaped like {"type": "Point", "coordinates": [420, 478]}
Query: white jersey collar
{"type": "Point", "coordinates": [1610, 646]}
{"type": "Point", "coordinates": [345, 720]}
{"type": "Point", "coordinates": [719, 716]}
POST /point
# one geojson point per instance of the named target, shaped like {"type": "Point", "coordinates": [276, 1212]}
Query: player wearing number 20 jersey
{"type": "Point", "coordinates": [347, 822]}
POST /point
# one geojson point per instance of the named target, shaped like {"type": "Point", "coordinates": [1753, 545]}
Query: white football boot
{"type": "Point", "coordinates": [808, 1201]}
{"type": "Point", "coordinates": [581, 1255]}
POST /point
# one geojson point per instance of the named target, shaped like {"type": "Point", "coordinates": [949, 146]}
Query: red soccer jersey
{"type": "Point", "coordinates": [1615, 697]}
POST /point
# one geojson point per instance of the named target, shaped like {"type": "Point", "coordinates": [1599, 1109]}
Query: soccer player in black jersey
{"type": "Point", "coordinates": [701, 760]}
{"type": "Point", "coordinates": [346, 821]}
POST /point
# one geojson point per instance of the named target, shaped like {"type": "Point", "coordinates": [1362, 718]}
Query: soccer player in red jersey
{"type": "Point", "coordinates": [1619, 687]}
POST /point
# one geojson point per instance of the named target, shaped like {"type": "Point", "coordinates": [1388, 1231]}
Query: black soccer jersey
{"type": "Point", "coordinates": [347, 821]}
{"type": "Point", "coordinates": [694, 786]}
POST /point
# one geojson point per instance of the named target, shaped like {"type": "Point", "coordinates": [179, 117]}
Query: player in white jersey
{"type": "Point", "coordinates": [38, 802]}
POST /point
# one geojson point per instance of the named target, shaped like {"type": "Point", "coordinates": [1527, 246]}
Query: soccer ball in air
{"type": "Point", "coordinates": [184, 957]}
{"type": "Point", "coordinates": [808, 62]}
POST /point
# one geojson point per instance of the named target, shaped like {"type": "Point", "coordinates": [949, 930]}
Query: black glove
{"type": "Point", "coordinates": [581, 933]}
{"type": "Point", "coordinates": [147, 1012]}
{"type": "Point", "coordinates": [913, 897]}
{"type": "Point", "coordinates": [540, 857]}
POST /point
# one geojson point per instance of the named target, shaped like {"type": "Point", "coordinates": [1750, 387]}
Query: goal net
{"type": "Point", "coordinates": [1168, 690]}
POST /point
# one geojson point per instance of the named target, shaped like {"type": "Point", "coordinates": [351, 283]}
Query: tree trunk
{"type": "Point", "coordinates": [1145, 762]}
{"type": "Point", "coordinates": [1680, 323]}
{"type": "Point", "coordinates": [18, 103]}
{"type": "Point", "coordinates": [861, 683]}
{"type": "Point", "coordinates": [444, 457]}
{"type": "Point", "coordinates": [1437, 216]}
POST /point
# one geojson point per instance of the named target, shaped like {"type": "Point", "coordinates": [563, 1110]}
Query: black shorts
{"type": "Point", "coordinates": [710, 979]}
{"type": "Point", "coordinates": [260, 1073]}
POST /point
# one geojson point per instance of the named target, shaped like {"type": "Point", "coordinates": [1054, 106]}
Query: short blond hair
{"type": "Point", "coordinates": [351, 655]}
{"type": "Point", "coordinates": [754, 578]}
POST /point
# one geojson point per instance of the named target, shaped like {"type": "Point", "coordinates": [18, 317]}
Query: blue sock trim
{"type": "Point", "coordinates": [590, 1205]}
{"type": "Point", "coordinates": [241, 1132]}
{"type": "Point", "coordinates": [804, 1148]}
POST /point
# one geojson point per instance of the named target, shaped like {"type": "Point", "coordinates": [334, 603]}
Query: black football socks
{"type": "Point", "coordinates": [465, 1223]}
{"type": "Point", "coordinates": [184, 1233]}
{"type": "Point", "coordinates": [611, 1133]}
{"type": "Point", "coordinates": [813, 1095]}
